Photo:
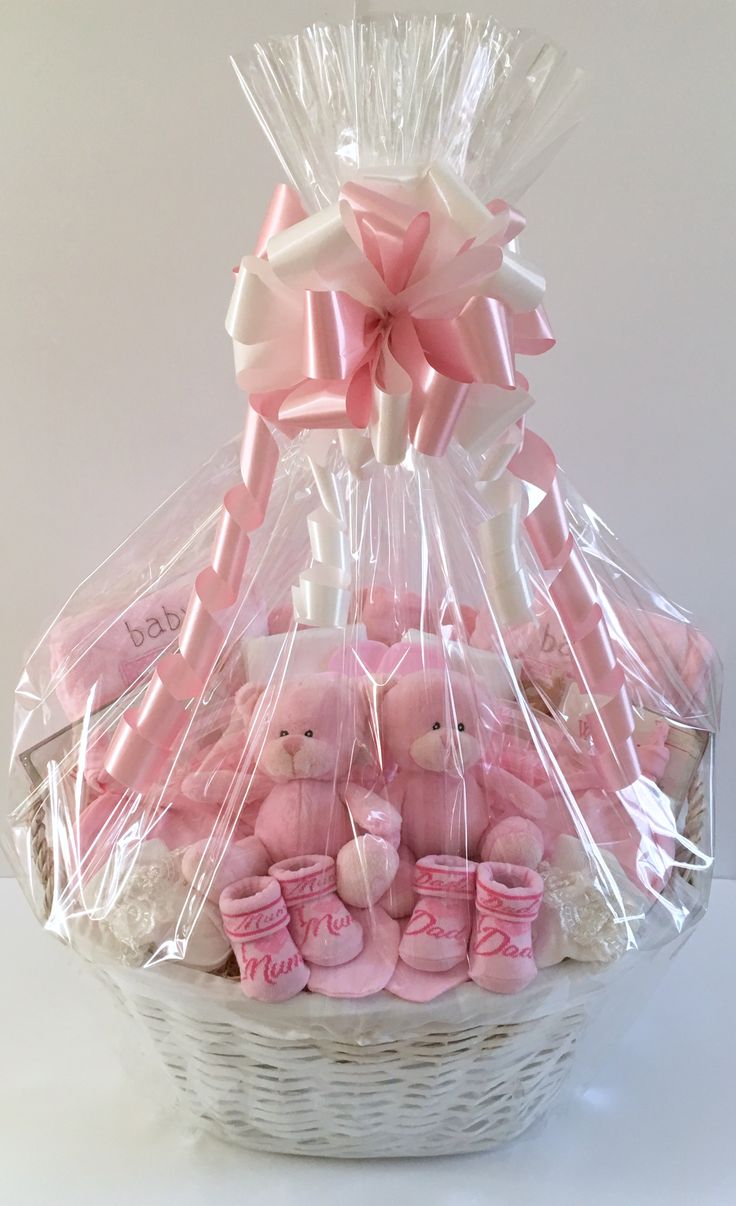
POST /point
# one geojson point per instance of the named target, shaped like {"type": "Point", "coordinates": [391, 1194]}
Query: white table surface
{"type": "Point", "coordinates": [657, 1127]}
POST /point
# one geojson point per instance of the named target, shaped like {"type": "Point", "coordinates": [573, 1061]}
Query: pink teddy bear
{"type": "Point", "coordinates": [315, 778]}
{"type": "Point", "coordinates": [449, 802]}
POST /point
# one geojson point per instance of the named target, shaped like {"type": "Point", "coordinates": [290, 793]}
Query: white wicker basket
{"type": "Point", "coordinates": [379, 1076]}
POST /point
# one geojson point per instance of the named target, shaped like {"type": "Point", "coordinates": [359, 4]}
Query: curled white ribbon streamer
{"type": "Point", "coordinates": [488, 430]}
{"type": "Point", "coordinates": [322, 596]}
{"type": "Point", "coordinates": [389, 428]}
{"type": "Point", "coordinates": [500, 546]}
{"type": "Point", "coordinates": [356, 447]}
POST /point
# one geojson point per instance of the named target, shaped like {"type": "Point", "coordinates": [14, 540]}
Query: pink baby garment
{"type": "Point", "coordinates": [322, 927]}
{"type": "Point", "coordinates": [256, 922]}
{"type": "Point", "coordinates": [372, 969]}
{"type": "Point", "coordinates": [96, 656]}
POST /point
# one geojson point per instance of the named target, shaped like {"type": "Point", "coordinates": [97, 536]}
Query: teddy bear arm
{"type": "Point", "coordinates": [366, 868]}
{"type": "Point", "coordinates": [509, 796]}
{"type": "Point", "coordinates": [513, 840]}
{"type": "Point", "coordinates": [373, 814]}
{"type": "Point", "coordinates": [367, 865]}
{"type": "Point", "coordinates": [211, 865]}
{"type": "Point", "coordinates": [213, 786]}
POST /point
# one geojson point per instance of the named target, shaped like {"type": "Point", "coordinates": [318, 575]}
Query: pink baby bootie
{"type": "Point", "coordinates": [256, 922]}
{"type": "Point", "coordinates": [436, 936]}
{"type": "Point", "coordinates": [507, 902]}
{"type": "Point", "coordinates": [321, 926]}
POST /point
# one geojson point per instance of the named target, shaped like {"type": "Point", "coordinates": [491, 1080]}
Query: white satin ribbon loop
{"type": "Point", "coordinates": [503, 499]}
{"type": "Point", "coordinates": [516, 283]}
{"type": "Point", "coordinates": [258, 303]}
{"type": "Point", "coordinates": [322, 253]}
{"type": "Point", "coordinates": [328, 539]}
{"type": "Point", "coordinates": [498, 457]}
{"type": "Point", "coordinates": [460, 203]}
{"type": "Point", "coordinates": [489, 416]}
{"type": "Point", "coordinates": [357, 449]}
{"type": "Point", "coordinates": [322, 598]}
{"type": "Point", "coordinates": [389, 426]}
{"type": "Point", "coordinates": [318, 444]}
{"type": "Point", "coordinates": [261, 310]}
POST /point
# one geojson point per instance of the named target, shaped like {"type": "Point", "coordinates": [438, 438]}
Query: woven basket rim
{"type": "Point", "coordinates": [381, 1015]}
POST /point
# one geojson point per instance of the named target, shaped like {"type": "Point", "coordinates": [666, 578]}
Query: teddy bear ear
{"type": "Point", "coordinates": [412, 657]}
{"type": "Point", "coordinates": [246, 699]}
{"type": "Point", "coordinates": [355, 661]}
{"type": "Point", "coordinates": [379, 688]}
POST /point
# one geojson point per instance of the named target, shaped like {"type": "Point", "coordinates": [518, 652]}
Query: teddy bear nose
{"type": "Point", "coordinates": [291, 744]}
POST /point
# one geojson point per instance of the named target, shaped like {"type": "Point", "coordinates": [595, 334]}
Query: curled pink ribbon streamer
{"type": "Point", "coordinates": [574, 593]}
{"type": "Point", "coordinates": [146, 734]}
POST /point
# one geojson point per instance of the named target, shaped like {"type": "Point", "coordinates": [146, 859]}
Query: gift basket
{"type": "Point", "coordinates": [371, 774]}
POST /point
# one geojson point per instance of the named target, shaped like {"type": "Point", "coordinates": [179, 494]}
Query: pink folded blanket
{"type": "Point", "coordinates": [97, 655]}
{"type": "Point", "coordinates": [669, 664]}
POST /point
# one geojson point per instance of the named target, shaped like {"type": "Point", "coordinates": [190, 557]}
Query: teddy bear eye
{"type": "Point", "coordinates": [284, 733]}
{"type": "Point", "coordinates": [461, 727]}
{"type": "Point", "coordinates": [436, 725]}
{"type": "Point", "coordinates": [309, 733]}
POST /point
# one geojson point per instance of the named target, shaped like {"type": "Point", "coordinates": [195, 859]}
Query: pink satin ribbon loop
{"type": "Point", "coordinates": [441, 401]}
{"type": "Point", "coordinates": [392, 233]}
{"type": "Point", "coordinates": [514, 221]}
{"type": "Point", "coordinates": [335, 329]}
{"type": "Point", "coordinates": [616, 716]}
{"type": "Point", "coordinates": [177, 677]}
{"type": "Point", "coordinates": [214, 592]}
{"type": "Point", "coordinates": [268, 405]}
{"type": "Point", "coordinates": [285, 209]}
{"type": "Point", "coordinates": [315, 405]}
{"type": "Point", "coordinates": [532, 333]}
{"type": "Point", "coordinates": [360, 396]}
{"type": "Point", "coordinates": [201, 639]}
{"type": "Point", "coordinates": [474, 346]}
{"type": "Point", "coordinates": [594, 656]}
{"type": "Point", "coordinates": [436, 399]}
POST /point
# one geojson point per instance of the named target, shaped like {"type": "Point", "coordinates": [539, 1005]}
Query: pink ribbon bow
{"type": "Point", "coordinates": [382, 311]}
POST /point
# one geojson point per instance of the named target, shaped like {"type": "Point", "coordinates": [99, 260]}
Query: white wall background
{"type": "Point", "coordinates": [134, 177]}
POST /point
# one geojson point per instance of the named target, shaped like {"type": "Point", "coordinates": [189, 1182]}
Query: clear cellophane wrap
{"type": "Point", "coordinates": [375, 703]}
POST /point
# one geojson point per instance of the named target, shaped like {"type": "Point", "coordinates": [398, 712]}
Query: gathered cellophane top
{"type": "Point", "coordinates": [405, 90]}
{"type": "Point", "coordinates": [436, 676]}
